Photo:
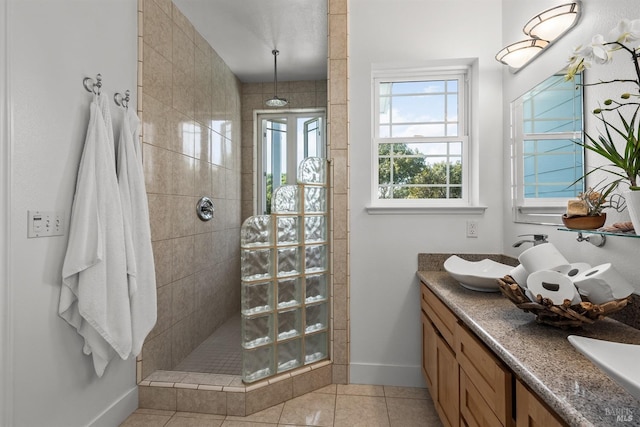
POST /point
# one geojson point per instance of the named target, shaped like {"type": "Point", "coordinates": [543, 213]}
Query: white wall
{"type": "Point", "coordinates": [599, 16]}
{"type": "Point", "coordinates": [5, 331]}
{"type": "Point", "coordinates": [385, 314]}
{"type": "Point", "coordinates": [53, 45]}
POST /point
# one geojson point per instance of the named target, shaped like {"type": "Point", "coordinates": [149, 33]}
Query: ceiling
{"type": "Point", "coordinates": [244, 32]}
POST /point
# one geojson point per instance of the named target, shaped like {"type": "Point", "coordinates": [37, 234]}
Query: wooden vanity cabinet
{"type": "Point", "coordinates": [439, 364]}
{"type": "Point", "coordinates": [531, 412]}
{"type": "Point", "coordinates": [469, 385]}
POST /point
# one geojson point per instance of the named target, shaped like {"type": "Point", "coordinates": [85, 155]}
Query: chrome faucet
{"type": "Point", "coordinates": [538, 239]}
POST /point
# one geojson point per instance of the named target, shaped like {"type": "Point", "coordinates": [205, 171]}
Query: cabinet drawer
{"type": "Point", "coordinates": [444, 320]}
{"type": "Point", "coordinates": [473, 408]}
{"type": "Point", "coordinates": [491, 379]}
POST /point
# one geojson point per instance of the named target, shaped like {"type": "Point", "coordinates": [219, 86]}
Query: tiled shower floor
{"type": "Point", "coordinates": [219, 354]}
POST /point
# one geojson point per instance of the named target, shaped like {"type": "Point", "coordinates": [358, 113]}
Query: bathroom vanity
{"type": "Point", "coordinates": [487, 363]}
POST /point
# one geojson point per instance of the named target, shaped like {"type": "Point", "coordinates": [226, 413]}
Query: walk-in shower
{"type": "Point", "coordinates": [285, 278]}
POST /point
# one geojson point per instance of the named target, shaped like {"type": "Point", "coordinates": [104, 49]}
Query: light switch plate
{"type": "Point", "coordinates": [45, 223]}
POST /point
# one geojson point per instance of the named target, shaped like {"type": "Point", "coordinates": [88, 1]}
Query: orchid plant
{"type": "Point", "coordinates": [625, 164]}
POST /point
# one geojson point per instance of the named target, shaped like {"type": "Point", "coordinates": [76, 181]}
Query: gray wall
{"type": "Point", "coordinates": [52, 46]}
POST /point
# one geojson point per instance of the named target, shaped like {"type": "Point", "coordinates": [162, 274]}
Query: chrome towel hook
{"type": "Point", "coordinates": [92, 86]}
{"type": "Point", "coordinates": [122, 101]}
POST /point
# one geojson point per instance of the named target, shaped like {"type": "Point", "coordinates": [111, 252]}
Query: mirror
{"type": "Point", "coordinates": [547, 164]}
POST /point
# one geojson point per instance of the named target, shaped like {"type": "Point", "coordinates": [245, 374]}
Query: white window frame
{"type": "Point", "coordinates": [546, 211]}
{"type": "Point", "coordinates": [456, 69]}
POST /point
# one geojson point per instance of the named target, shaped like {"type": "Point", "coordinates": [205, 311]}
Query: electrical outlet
{"type": "Point", "coordinates": [472, 228]}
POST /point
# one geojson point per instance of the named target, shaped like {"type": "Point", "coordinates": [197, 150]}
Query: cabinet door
{"type": "Point", "coordinates": [447, 384]}
{"type": "Point", "coordinates": [486, 372]}
{"type": "Point", "coordinates": [474, 410]}
{"type": "Point", "coordinates": [429, 354]}
{"type": "Point", "coordinates": [531, 412]}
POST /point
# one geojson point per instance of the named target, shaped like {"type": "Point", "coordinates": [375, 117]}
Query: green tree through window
{"type": "Point", "coordinates": [405, 173]}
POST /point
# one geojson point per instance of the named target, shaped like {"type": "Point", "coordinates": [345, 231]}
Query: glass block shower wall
{"type": "Point", "coordinates": [285, 278]}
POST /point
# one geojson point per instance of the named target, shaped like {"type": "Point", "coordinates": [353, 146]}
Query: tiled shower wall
{"type": "Point", "coordinates": [338, 131]}
{"type": "Point", "coordinates": [190, 109]}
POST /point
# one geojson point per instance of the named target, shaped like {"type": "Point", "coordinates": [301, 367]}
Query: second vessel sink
{"type": "Point", "coordinates": [618, 360]}
{"type": "Point", "coordinates": [476, 275]}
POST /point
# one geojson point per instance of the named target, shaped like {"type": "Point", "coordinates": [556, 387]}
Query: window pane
{"type": "Point", "coordinates": [418, 130]}
{"type": "Point", "coordinates": [425, 110]}
{"type": "Point", "coordinates": [407, 169]}
{"type": "Point", "coordinates": [549, 191]}
{"type": "Point", "coordinates": [455, 148]}
{"type": "Point", "coordinates": [455, 171]}
{"type": "Point", "coordinates": [384, 171]}
{"type": "Point", "coordinates": [384, 149]}
{"type": "Point", "coordinates": [400, 88]}
{"type": "Point", "coordinates": [452, 107]}
{"type": "Point", "coordinates": [428, 148]}
{"type": "Point", "coordinates": [552, 165]}
{"type": "Point", "coordinates": [421, 108]}
{"type": "Point", "coordinates": [416, 109]}
{"type": "Point", "coordinates": [384, 192]}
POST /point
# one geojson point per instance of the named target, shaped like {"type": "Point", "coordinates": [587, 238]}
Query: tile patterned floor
{"type": "Point", "coordinates": [221, 353]}
{"type": "Point", "coordinates": [332, 406]}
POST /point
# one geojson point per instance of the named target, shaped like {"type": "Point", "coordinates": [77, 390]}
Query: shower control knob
{"type": "Point", "coordinates": [205, 208]}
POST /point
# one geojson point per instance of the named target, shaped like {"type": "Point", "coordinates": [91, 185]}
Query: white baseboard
{"type": "Point", "coordinates": [392, 375]}
{"type": "Point", "coordinates": [115, 414]}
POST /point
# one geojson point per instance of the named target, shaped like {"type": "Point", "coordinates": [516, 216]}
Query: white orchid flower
{"type": "Point", "coordinates": [600, 52]}
{"type": "Point", "coordinates": [579, 60]}
{"type": "Point", "coordinates": [626, 31]}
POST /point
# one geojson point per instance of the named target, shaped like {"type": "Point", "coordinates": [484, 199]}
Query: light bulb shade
{"type": "Point", "coordinates": [276, 102]}
{"type": "Point", "coordinates": [517, 54]}
{"type": "Point", "coordinates": [552, 23]}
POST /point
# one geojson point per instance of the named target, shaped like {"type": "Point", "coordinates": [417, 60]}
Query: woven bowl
{"type": "Point", "coordinates": [562, 316]}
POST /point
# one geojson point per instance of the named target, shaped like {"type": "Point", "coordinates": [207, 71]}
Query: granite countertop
{"type": "Point", "coordinates": [541, 356]}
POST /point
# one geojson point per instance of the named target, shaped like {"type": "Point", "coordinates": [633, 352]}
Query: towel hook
{"type": "Point", "coordinates": [122, 101]}
{"type": "Point", "coordinates": [92, 86]}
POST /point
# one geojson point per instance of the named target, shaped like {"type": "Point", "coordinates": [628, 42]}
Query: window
{"type": "Point", "coordinates": [421, 138]}
{"type": "Point", "coordinates": [285, 139]}
{"type": "Point", "coordinates": [547, 121]}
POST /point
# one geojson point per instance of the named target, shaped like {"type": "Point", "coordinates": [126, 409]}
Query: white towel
{"type": "Point", "coordinates": [94, 296]}
{"type": "Point", "coordinates": [142, 287]}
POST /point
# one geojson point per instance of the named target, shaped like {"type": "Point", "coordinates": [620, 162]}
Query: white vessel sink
{"type": "Point", "coordinates": [476, 275]}
{"type": "Point", "coordinates": [619, 361]}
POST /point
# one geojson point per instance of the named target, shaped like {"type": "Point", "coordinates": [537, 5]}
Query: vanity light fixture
{"type": "Point", "coordinates": [552, 23]}
{"type": "Point", "coordinates": [543, 29]}
{"type": "Point", "coordinates": [517, 54]}
{"type": "Point", "coordinates": [275, 101]}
